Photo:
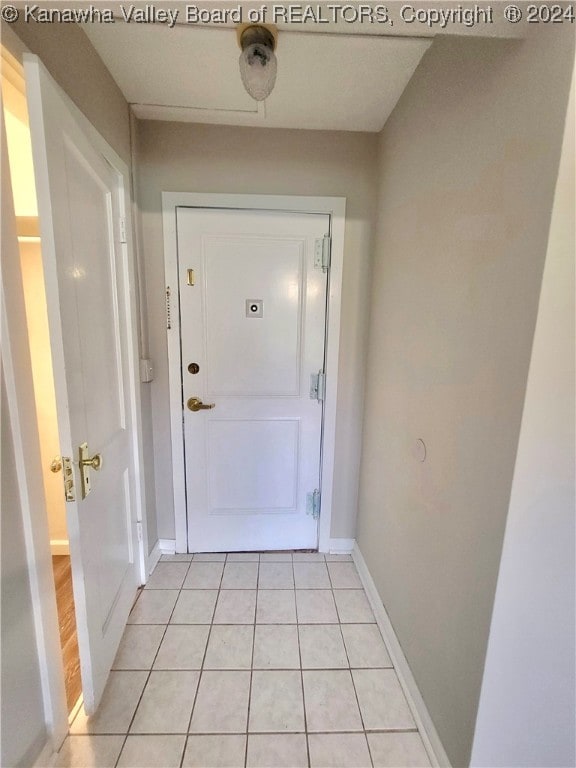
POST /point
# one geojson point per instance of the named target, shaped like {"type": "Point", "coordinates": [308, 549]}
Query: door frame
{"type": "Point", "coordinates": [16, 358]}
{"type": "Point", "coordinates": [17, 367]}
{"type": "Point", "coordinates": [335, 207]}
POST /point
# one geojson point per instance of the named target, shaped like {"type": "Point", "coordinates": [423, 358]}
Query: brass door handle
{"type": "Point", "coordinates": [86, 463]}
{"type": "Point", "coordinates": [95, 462]}
{"type": "Point", "coordinates": [195, 404]}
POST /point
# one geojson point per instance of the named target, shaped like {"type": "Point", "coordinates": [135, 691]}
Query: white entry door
{"type": "Point", "coordinates": [253, 319]}
{"type": "Point", "coordinates": [87, 293]}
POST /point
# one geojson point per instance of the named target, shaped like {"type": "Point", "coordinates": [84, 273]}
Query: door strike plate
{"type": "Point", "coordinates": [68, 477]}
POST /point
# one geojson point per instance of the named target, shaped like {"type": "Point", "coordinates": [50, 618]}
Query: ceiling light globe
{"type": "Point", "coordinates": [258, 67]}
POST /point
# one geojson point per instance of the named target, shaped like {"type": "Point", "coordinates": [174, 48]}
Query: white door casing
{"type": "Point", "coordinates": [87, 277]}
{"type": "Point", "coordinates": [254, 324]}
{"type": "Point", "coordinates": [18, 379]}
{"type": "Point", "coordinates": [261, 205]}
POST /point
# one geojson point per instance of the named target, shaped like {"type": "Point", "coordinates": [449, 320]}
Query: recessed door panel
{"type": "Point", "coordinates": [253, 465]}
{"type": "Point", "coordinates": [252, 333]}
{"type": "Point", "coordinates": [93, 276]}
{"type": "Point", "coordinates": [115, 547]}
{"type": "Point", "coordinates": [253, 315]}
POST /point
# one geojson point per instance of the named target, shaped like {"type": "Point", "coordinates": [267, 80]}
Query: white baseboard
{"type": "Point", "coordinates": [167, 546]}
{"type": "Point", "coordinates": [153, 558]}
{"type": "Point", "coordinates": [428, 732]}
{"type": "Point", "coordinates": [341, 546]}
{"type": "Point", "coordinates": [60, 546]}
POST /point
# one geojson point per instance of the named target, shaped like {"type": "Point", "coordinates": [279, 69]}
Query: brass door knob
{"type": "Point", "coordinates": [95, 462]}
{"type": "Point", "coordinates": [56, 465]}
{"type": "Point", "coordinates": [195, 404]}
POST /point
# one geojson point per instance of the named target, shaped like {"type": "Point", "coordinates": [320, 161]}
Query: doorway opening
{"type": "Point", "coordinates": [320, 295]}
{"type": "Point", "coordinates": [30, 250]}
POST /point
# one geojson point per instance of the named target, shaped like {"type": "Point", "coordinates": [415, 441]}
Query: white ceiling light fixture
{"type": "Point", "coordinates": [258, 61]}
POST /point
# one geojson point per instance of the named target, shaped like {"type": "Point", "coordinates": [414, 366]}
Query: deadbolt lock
{"type": "Point", "coordinates": [195, 404]}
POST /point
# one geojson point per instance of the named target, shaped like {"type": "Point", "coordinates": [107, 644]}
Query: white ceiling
{"type": "Point", "coordinates": [325, 81]}
{"type": "Point", "coordinates": [333, 72]}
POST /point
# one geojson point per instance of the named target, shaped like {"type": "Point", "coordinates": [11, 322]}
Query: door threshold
{"type": "Point", "coordinates": [258, 552]}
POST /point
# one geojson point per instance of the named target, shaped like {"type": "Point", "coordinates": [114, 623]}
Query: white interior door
{"type": "Point", "coordinates": [252, 334]}
{"type": "Point", "coordinates": [85, 270]}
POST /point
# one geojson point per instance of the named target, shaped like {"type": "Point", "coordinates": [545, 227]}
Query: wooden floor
{"type": "Point", "coordinates": [67, 622]}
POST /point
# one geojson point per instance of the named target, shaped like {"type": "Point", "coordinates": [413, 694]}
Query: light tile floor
{"type": "Point", "coordinates": [250, 660]}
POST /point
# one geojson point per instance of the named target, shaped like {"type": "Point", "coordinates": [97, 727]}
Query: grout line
{"type": "Point", "coordinates": [200, 673]}
{"type": "Point", "coordinates": [256, 669]}
{"type": "Point", "coordinates": [301, 670]}
{"type": "Point", "coordinates": [252, 663]}
{"type": "Point", "coordinates": [350, 671]}
{"type": "Point", "coordinates": [151, 668]}
{"type": "Point", "coordinates": [254, 625]}
{"type": "Point", "coordinates": [184, 747]}
{"type": "Point", "coordinates": [242, 733]}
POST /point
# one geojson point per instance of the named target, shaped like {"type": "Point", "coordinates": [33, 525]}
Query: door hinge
{"type": "Point", "coordinates": [313, 504]}
{"type": "Point", "coordinates": [122, 227]}
{"type": "Point", "coordinates": [317, 386]}
{"type": "Point", "coordinates": [139, 530]}
{"type": "Point", "coordinates": [322, 253]}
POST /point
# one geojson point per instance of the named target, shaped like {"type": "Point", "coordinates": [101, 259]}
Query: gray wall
{"type": "Point", "coordinates": [468, 164]}
{"type": "Point", "coordinates": [74, 63]}
{"type": "Point", "coordinates": [527, 719]}
{"type": "Point", "coordinates": [206, 158]}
